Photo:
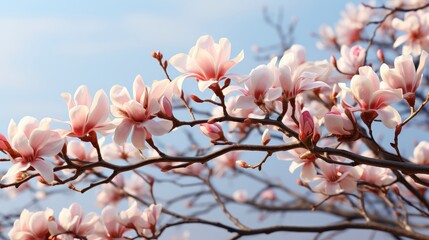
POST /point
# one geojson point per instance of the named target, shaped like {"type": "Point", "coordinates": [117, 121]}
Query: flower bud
{"type": "Point", "coordinates": [213, 131]}
{"type": "Point", "coordinates": [266, 137]}
{"type": "Point", "coordinates": [242, 164]}
{"type": "Point", "coordinates": [306, 126]}
{"type": "Point", "coordinates": [268, 195]}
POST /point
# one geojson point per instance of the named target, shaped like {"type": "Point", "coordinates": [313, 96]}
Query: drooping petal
{"type": "Point", "coordinates": [45, 168]}
{"type": "Point", "coordinates": [122, 131]}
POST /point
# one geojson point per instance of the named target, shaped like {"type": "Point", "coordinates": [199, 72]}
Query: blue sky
{"type": "Point", "coordinates": [50, 47]}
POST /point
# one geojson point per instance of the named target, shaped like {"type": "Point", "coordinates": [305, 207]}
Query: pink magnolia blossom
{"type": "Point", "coordinates": [421, 153]}
{"type": "Point", "coordinates": [125, 151]}
{"type": "Point", "coordinates": [136, 114]}
{"type": "Point", "coordinates": [416, 26]}
{"type": "Point", "coordinates": [4, 144]}
{"type": "Point", "coordinates": [335, 179]}
{"type": "Point", "coordinates": [109, 226]}
{"type": "Point", "coordinates": [376, 175]}
{"type": "Point", "coordinates": [213, 131]}
{"type": "Point", "coordinates": [300, 157]}
{"type": "Point", "coordinates": [225, 162]}
{"type": "Point", "coordinates": [351, 59]}
{"type": "Point", "coordinates": [87, 114]}
{"type": "Point", "coordinates": [339, 123]}
{"type": "Point", "coordinates": [240, 196]}
{"type": "Point", "coordinates": [79, 151]}
{"type": "Point", "coordinates": [295, 75]}
{"type": "Point", "coordinates": [74, 220]}
{"type": "Point", "coordinates": [151, 216]}
{"type": "Point", "coordinates": [259, 90]}
{"type": "Point", "coordinates": [354, 20]}
{"type": "Point", "coordinates": [33, 225]}
{"type": "Point", "coordinates": [111, 194]}
{"type": "Point", "coordinates": [268, 195]}
{"type": "Point", "coordinates": [136, 186]}
{"type": "Point", "coordinates": [327, 38]}
{"type": "Point", "coordinates": [365, 89]}
{"type": "Point", "coordinates": [404, 76]}
{"type": "Point", "coordinates": [32, 142]}
{"type": "Point", "coordinates": [207, 62]}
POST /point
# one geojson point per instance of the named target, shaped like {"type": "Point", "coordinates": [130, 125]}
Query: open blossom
{"type": "Point", "coordinates": [353, 22]}
{"type": "Point", "coordinates": [33, 225]}
{"type": "Point", "coordinates": [416, 26]}
{"type": "Point", "coordinates": [31, 142]}
{"type": "Point", "coordinates": [339, 123]}
{"type": "Point", "coordinates": [351, 59]}
{"type": "Point", "coordinates": [365, 89]}
{"type": "Point", "coordinates": [74, 220]}
{"type": "Point", "coordinates": [109, 226]}
{"type": "Point", "coordinates": [421, 153]}
{"type": "Point", "coordinates": [87, 114]}
{"type": "Point", "coordinates": [404, 76]}
{"type": "Point", "coordinates": [225, 162]}
{"type": "Point", "coordinates": [111, 194]}
{"type": "Point", "coordinates": [137, 113]}
{"type": "Point", "coordinates": [376, 175]}
{"type": "Point", "coordinates": [125, 151]}
{"type": "Point", "coordinates": [78, 151]}
{"type": "Point", "coordinates": [300, 157]}
{"type": "Point", "coordinates": [327, 38]}
{"type": "Point", "coordinates": [336, 178]}
{"type": "Point", "coordinates": [207, 62]}
{"type": "Point", "coordinates": [259, 90]}
{"type": "Point", "coordinates": [295, 75]}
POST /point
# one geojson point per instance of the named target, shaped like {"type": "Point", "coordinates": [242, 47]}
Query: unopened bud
{"type": "Point", "coordinates": [395, 189]}
{"type": "Point", "coordinates": [165, 64]}
{"type": "Point", "coordinates": [242, 164]}
{"type": "Point", "coordinates": [266, 137]}
{"type": "Point", "coordinates": [196, 99]}
{"type": "Point", "coordinates": [380, 55]}
{"type": "Point", "coordinates": [213, 131]}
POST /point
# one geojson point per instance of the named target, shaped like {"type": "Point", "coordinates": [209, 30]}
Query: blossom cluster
{"type": "Point", "coordinates": [73, 223]}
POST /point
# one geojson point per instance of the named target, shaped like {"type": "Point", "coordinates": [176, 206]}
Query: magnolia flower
{"type": "Point", "coordinates": [73, 220]}
{"type": "Point", "coordinates": [351, 59]}
{"type": "Point", "coordinates": [266, 137]}
{"type": "Point", "coordinates": [78, 151]}
{"type": "Point", "coordinates": [240, 196]}
{"type": "Point", "coordinates": [339, 123]}
{"type": "Point", "coordinates": [327, 38]}
{"type": "Point", "coordinates": [207, 62]}
{"type": "Point", "coordinates": [109, 226]}
{"type": "Point", "coordinates": [226, 161]}
{"type": "Point", "coordinates": [336, 178]}
{"type": "Point", "coordinates": [31, 142]}
{"type": "Point", "coordinates": [300, 157]}
{"type": "Point", "coordinates": [33, 225]}
{"type": "Point", "coordinates": [259, 90]}
{"type": "Point", "coordinates": [213, 131]}
{"type": "Point", "coordinates": [87, 115]}
{"type": "Point", "coordinates": [268, 195]}
{"type": "Point", "coordinates": [354, 20]}
{"type": "Point", "coordinates": [150, 217]}
{"type": "Point", "coordinates": [421, 153]}
{"type": "Point", "coordinates": [376, 175]}
{"type": "Point", "coordinates": [404, 76]}
{"type": "Point", "coordinates": [111, 193]}
{"type": "Point", "coordinates": [416, 25]}
{"type": "Point", "coordinates": [137, 113]}
{"type": "Point", "coordinates": [125, 151]}
{"type": "Point", "coordinates": [295, 75]}
{"type": "Point", "coordinates": [365, 89]}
